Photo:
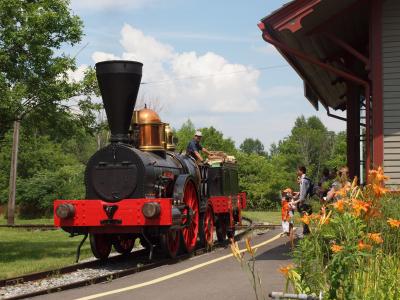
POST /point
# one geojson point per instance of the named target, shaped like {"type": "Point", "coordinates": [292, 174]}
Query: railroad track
{"type": "Point", "coordinates": [31, 226]}
{"type": "Point", "coordinates": [52, 227]}
{"type": "Point", "coordinates": [140, 263]}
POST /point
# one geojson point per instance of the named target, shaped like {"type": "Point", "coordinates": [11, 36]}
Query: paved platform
{"type": "Point", "coordinates": [216, 275]}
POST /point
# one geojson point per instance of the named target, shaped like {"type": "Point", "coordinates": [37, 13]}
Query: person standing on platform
{"type": "Point", "coordinates": [302, 198]}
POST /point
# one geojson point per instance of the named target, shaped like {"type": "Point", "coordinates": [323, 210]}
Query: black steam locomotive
{"type": "Point", "coordinates": [139, 187]}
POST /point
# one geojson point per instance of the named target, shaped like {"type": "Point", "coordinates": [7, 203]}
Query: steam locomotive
{"type": "Point", "coordinates": [139, 187]}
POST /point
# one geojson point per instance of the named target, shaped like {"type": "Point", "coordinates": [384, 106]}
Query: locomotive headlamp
{"type": "Point", "coordinates": [151, 210]}
{"type": "Point", "coordinates": [65, 211]}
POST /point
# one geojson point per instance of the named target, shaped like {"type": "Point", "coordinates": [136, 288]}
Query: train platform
{"type": "Point", "coordinates": [215, 275]}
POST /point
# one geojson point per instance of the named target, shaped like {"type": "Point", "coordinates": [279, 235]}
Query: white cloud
{"type": "Point", "coordinates": [78, 74]}
{"type": "Point", "coordinates": [108, 4]}
{"type": "Point", "coordinates": [188, 82]}
{"type": "Point", "coordinates": [102, 56]}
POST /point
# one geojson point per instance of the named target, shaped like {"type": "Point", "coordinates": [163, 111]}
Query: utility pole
{"type": "Point", "coordinates": [13, 174]}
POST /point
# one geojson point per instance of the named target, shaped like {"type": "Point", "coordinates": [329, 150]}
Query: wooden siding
{"type": "Point", "coordinates": [391, 89]}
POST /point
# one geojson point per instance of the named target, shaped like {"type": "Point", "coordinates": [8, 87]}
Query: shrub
{"type": "Point", "coordinates": [352, 250]}
{"type": "Point", "coordinates": [36, 194]}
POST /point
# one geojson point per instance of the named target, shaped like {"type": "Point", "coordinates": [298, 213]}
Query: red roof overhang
{"type": "Point", "coordinates": [326, 42]}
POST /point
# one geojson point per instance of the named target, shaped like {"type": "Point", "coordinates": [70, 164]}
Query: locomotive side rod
{"type": "Point", "coordinates": [118, 274]}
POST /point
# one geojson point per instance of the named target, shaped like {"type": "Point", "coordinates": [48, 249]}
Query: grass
{"type": "Point", "coordinates": [24, 251]}
{"type": "Point", "coordinates": [18, 221]}
{"type": "Point", "coordinates": [273, 217]}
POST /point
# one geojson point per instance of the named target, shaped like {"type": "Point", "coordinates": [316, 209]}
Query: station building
{"type": "Point", "coordinates": [347, 53]}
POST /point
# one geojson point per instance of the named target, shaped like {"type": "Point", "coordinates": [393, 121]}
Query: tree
{"type": "Point", "coordinates": [184, 135]}
{"type": "Point", "coordinates": [47, 170]}
{"type": "Point", "coordinates": [32, 75]}
{"type": "Point", "coordinates": [250, 145]}
{"type": "Point", "coordinates": [338, 156]}
{"type": "Point", "coordinates": [214, 140]}
{"type": "Point", "coordinates": [309, 144]}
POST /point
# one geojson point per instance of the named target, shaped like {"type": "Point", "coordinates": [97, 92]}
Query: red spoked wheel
{"type": "Point", "coordinates": [221, 228]}
{"type": "Point", "coordinates": [209, 226]}
{"type": "Point", "coordinates": [191, 231]}
{"type": "Point", "coordinates": [124, 243]}
{"type": "Point", "coordinates": [101, 245]}
{"type": "Point", "coordinates": [170, 242]}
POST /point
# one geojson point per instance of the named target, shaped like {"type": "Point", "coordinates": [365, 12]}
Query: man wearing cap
{"type": "Point", "coordinates": [194, 147]}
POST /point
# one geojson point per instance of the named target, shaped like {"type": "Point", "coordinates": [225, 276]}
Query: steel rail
{"type": "Point", "coordinates": [30, 226]}
{"type": "Point", "coordinates": [71, 268]}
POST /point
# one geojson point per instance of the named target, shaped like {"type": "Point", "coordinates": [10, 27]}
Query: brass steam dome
{"type": "Point", "coordinates": [147, 116]}
{"type": "Point", "coordinates": [151, 135]}
{"type": "Point", "coordinates": [169, 138]}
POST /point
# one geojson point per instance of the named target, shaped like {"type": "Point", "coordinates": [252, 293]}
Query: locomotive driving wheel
{"type": "Point", "coordinates": [209, 226]}
{"type": "Point", "coordinates": [170, 241]}
{"type": "Point", "coordinates": [124, 243]}
{"type": "Point", "coordinates": [191, 230]}
{"type": "Point", "coordinates": [100, 245]}
{"type": "Point", "coordinates": [221, 228]}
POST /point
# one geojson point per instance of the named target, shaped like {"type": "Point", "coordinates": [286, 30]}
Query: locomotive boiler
{"type": "Point", "coordinates": [138, 187]}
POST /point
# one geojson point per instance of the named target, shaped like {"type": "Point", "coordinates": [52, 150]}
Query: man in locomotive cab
{"type": "Point", "coordinates": [193, 149]}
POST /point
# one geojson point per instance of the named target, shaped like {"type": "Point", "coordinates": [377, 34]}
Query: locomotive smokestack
{"type": "Point", "coordinates": [119, 82]}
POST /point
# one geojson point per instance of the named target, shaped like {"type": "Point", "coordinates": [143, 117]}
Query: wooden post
{"type": "Point", "coordinates": [13, 174]}
{"type": "Point", "coordinates": [353, 131]}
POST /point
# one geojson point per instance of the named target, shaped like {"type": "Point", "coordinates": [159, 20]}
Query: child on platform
{"type": "Point", "coordinates": [288, 207]}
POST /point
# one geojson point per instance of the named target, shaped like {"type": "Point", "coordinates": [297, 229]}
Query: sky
{"type": "Point", "coordinates": [203, 60]}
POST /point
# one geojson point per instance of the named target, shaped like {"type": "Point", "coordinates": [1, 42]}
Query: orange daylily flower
{"type": "Point", "coordinates": [325, 219]}
{"type": "Point", "coordinates": [343, 191]}
{"type": "Point", "coordinates": [375, 237]}
{"type": "Point", "coordinates": [285, 270]}
{"type": "Point", "coordinates": [372, 175]}
{"type": "Point", "coordinates": [358, 206]}
{"type": "Point", "coordinates": [377, 176]}
{"type": "Point", "coordinates": [314, 217]}
{"type": "Point", "coordinates": [393, 223]}
{"type": "Point", "coordinates": [364, 246]}
{"type": "Point", "coordinates": [305, 219]}
{"type": "Point", "coordinates": [336, 248]}
{"type": "Point", "coordinates": [379, 190]}
{"type": "Point", "coordinates": [373, 213]}
{"type": "Point", "coordinates": [339, 205]}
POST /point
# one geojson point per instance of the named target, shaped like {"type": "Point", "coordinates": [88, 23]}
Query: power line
{"type": "Point", "coordinates": [214, 75]}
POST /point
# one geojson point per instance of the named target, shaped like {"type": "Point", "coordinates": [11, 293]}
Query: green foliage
{"type": "Point", "coordinates": [46, 171]}
{"type": "Point", "coordinates": [185, 135]}
{"type": "Point", "coordinates": [250, 145]}
{"type": "Point", "coordinates": [262, 179]}
{"type": "Point", "coordinates": [213, 139]}
{"type": "Point", "coordinates": [36, 194]}
{"type": "Point", "coordinates": [312, 145]}
{"type": "Point", "coordinates": [32, 74]}
{"type": "Point", "coordinates": [338, 151]}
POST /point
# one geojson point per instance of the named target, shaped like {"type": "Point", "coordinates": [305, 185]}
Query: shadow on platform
{"type": "Point", "coordinates": [280, 252]}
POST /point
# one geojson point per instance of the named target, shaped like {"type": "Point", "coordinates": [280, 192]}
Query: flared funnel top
{"type": "Point", "coordinates": [119, 82]}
